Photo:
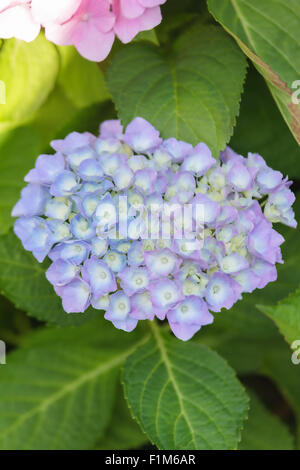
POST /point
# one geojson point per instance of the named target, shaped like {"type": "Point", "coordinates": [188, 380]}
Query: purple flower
{"type": "Point", "coordinates": [188, 316]}
{"type": "Point", "coordinates": [248, 280]}
{"type": "Point", "coordinates": [199, 161]}
{"type": "Point", "coordinates": [140, 227]}
{"type": "Point", "coordinates": [99, 276]}
{"type": "Point", "coordinates": [134, 280]}
{"type": "Point", "coordinates": [115, 260]}
{"type": "Point", "coordinates": [233, 263]}
{"type": "Point", "coordinates": [141, 305]}
{"type": "Point", "coordinates": [111, 129]}
{"type": "Point", "coordinates": [145, 180]}
{"type": "Point", "coordinates": [47, 169]}
{"type": "Point", "coordinates": [230, 156]}
{"type": "Point", "coordinates": [264, 242]}
{"type": "Point", "coordinates": [239, 177]}
{"type": "Point", "coordinates": [222, 292]}
{"type": "Point", "coordinates": [58, 208]}
{"type": "Point", "coordinates": [123, 176]}
{"type": "Point", "coordinates": [177, 149]}
{"type": "Point", "coordinates": [33, 201]}
{"type": "Point", "coordinates": [82, 228]}
{"type": "Point", "coordinates": [164, 294]}
{"type": "Point", "coordinates": [161, 263]}
{"type": "Point", "coordinates": [90, 170]}
{"type": "Point", "coordinates": [75, 296]}
{"type": "Point", "coordinates": [64, 185]}
{"type": "Point", "coordinates": [72, 142]}
{"type": "Point", "coordinates": [268, 179]}
{"type": "Point", "coordinates": [118, 312]}
{"type": "Point", "coordinates": [35, 236]}
{"type": "Point", "coordinates": [61, 272]}
{"type": "Point", "coordinates": [207, 209]}
{"type": "Point", "coordinates": [136, 254]}
{"type": "Point", "coordinates": [141, 136]}
{"type": "Point", "coordinates": [74, 252]}
{"type": "Point", "coordinates": [265, 271]}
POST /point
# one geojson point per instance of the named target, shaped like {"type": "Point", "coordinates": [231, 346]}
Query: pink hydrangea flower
{"type": "Point", "coordinates": [89, 25]}
{"type": "Point", "coordinates": [16, 20]}
{"type": "Point", "coordinates": [90, 30]}
{"type": "Point", "coordinates": [54, 11]}
{"type": "Point", "coordinates": [133, 16]}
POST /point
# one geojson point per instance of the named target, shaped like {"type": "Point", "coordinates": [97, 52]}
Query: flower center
{"type": "Point", "coordinates": [216, 289]}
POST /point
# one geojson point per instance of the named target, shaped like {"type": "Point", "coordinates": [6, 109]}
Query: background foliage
{"type": "Point", "coordinates": [220, 72]}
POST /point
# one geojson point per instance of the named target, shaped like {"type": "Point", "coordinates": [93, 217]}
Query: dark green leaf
{"type": "Point", "coordinates": [123, 432]}
{"type": "Point", "coordinates": [192, 93]}
{"type": "Point", "coordinates": [263, 430]}
{"type": "Point", "coordinates": [268, 32]}
{"type": "Point", "coordinates": [183, 395]}
{"type": "Point", "coordinates": [260, 128]}
{"type": "Point", "coordinates": [58, 390]}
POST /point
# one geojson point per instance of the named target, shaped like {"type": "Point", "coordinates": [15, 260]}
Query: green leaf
{"type": "Point", "coordinates": [23, 282]}
{"type": "Point", "coordinates": [55, 113]}
{"type": "Point", "coordinates": [277, 365]}
{"type": "Point", "coordinates": [286, 315]}
{"type": "Point", "coordinates": [269, 356]}
{"type": "Point", "coordinates": [268, 33]}
{"type": "Point", "coordinates": [18, 150]}
{"type": "Point", "coordinates": [58, 389]}
{"type": "Point", "coordinates": [13, 323]}
{"type": "Point", "coordinates": [29, 71]}
{"type": "Point", "coordinates": [183, 395]}
{"type": "Point", "coordinates": [260, 128]}
{"type": "Point", "coordinates": [123, 432]}
{"type": "Point", "coordinates": [82, 81]}
{"type": "Point", "coordinates": [147, 36]}
{"type": "Point", "coordinates": [192, 93]}
{"type": "Point", "coordinates": [263, 430]}
{"type": "Point", "coordinates": [88, 119]}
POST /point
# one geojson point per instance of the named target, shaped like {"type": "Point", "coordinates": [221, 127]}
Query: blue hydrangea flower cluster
{"type": "Point", "coordinates": [68, 213]}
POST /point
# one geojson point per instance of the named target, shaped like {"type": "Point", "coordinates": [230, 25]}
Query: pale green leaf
{"type": "Point", "coordinates": [29, 71]}
{"type": "Point", "coordinates": [183, 395]}
{"type": "Point", "coordinates": [192, 93]}
{"type": "Point", "coordinates": [268, 32]}
{"type": "Point", "coordinates": [82, 81]}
